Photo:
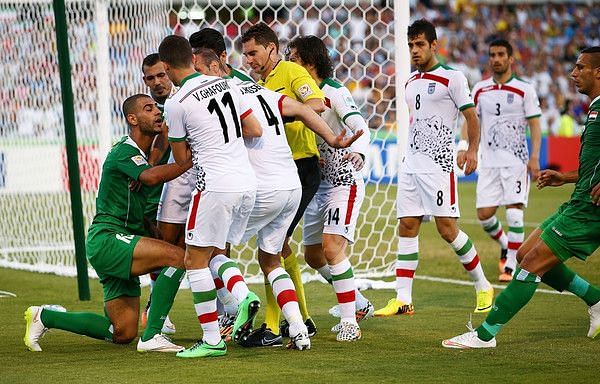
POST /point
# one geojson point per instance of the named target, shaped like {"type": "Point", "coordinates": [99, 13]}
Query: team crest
{"type": "Point", "coordinates": [431, 88]}
{"type": "Point", "coordinates": [592, 116]}
{"type": "Point", "coordinates": [510, 98]}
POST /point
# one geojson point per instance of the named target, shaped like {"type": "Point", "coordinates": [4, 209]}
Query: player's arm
{"type": "Point", "coordinates": [306, 89]}
{"type": "Point", "coordinates": [595, 194]}
{"type": "Point", "coordinates": [162, 173]}
{"type": "Point", "coordinates": [550, 178]}
{"type": "Point", "coordinates": [470, 159]}
{"type": "Point", "coordinates": [250, 126]}
{"type": "Point", "coordinates": [342, 103]}
{"type": "Point", "coordinates": [159, 146]}
{"type": "Point", "coordinates": [533, 166]}
{"type": "Point", "coordinates": [302, 112]}
{"type": "Point", "coordinates": [316, 105]}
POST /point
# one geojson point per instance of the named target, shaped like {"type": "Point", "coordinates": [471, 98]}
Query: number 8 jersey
{"type": "Point", "coordinates": [207, 112]}
{"type": "Point", "coordinates": [434, 100]}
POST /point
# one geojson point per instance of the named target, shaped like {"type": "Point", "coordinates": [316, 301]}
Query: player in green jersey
{"type": "Point", "coordinates": [117, 249]}
{"type": "Point", "coordinates": [574, 230]}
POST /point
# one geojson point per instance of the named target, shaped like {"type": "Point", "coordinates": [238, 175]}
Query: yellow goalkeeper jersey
{"type": "Point", "coordinates": [294, 81]}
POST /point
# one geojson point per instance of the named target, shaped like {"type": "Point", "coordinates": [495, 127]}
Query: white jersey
{"type": "Point", "coordinates": [339, 107]}
{"type": "Point", "coordinates": [434, 100]}
{"type": "Point", "coordinates": [503, 112]}
{"type": "Point", "coordinates": [207, 111]}
{"type": "Point", "coordinates": [270, 154]}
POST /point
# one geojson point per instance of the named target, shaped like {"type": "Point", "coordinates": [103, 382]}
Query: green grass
{"type": "Point", "coordinates": [544, 343]}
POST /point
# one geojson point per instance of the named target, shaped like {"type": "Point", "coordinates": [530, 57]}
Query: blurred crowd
{"type": "Point", "coordinates": [547, 38]}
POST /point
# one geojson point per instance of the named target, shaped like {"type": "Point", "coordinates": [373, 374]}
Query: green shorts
{"type": "Point", "coordinates": [573, 230]}
{"type": "Point", "coordinates": [110, 251]}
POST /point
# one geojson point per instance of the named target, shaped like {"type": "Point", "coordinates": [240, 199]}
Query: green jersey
{"type": "Point", "coordinates": [235, 74]}
{"type": "Point", "coordinates": [589, 155]}
{"type": "Point", "coordinates": [116, 205]}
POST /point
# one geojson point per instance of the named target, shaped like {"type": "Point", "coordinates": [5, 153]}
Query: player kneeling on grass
{"type": "Point", "coordinates": [330, 218]}
{"type": "Point", "coordinates": [573, 230]}
{"type": "Point", "coordinates": [117, 250]}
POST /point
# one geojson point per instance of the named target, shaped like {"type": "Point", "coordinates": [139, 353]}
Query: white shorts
{"type": "Point", "coordinates": [333, 211]}
{"type": "Point", "coordinates": [175, 199]}
{"type": "Point", "coordinates": [271, 217]}
{"type": "Point", "coordinates": [502, 186]}
{"type": "Point", "coordinates": [421, 194]}
{"type": "Point", "coordinates": [217, 218]}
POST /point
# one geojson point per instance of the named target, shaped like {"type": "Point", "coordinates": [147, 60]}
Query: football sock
{"type": "Point", "coordinates": [361, 300]}
{"type": "Point", "coordinates": [344, 287]}
{"type": "Point", "coordinates": [562, 278]}
{"type": "Point", "coordinates": [225, 298]}
{"type": "Point", "coordinates": [293, 269]}
{"type": "Point", "coordinates": [406, 265]}
{"type": "Point", "coordinates": [81, 323]}
{"type": "Point", "coordinates": [516, 235]}
{"type": "Point", "coordinates": [272, 310]}
{"type": "Point", "coordinates": [493, 227]}
{"type": "Point", "coordinates": [163, 295]}
{"type": "Point", "coordinates": [517, 293]}
{"type": "Point", "coordinates": [204, 295]}
{"type": "Point", "coordinates": [231, 275]}
{"type": "Point", "coordinates": [467, 254]}
{"type": "Point", "coordinates": [283, 289]}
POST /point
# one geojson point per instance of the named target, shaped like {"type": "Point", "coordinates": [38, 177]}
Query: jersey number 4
{"type": "Point", "coordinates": [269, 115]}
{"type": "Point", "coordinates": [227, 101]}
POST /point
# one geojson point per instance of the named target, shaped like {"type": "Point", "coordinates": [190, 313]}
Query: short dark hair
{"type": "Point", "coordinates": [130, 104]}
{"type": "Point", "coordinates": [502, 43]}
{"type": "Point", "coordinates": [422, 26]}
{"type": "Point", "coordinates": [208, 56]}
{"type": "Point", "coordinates": [175, 51]}
{"type": "Point", "coordinates": [595, 52]}
{"type": "Point", "coordinates": [313, 51]}
{"type": "Point", "coordinates": [150, 60]}
{"type": "Point", "coordinates": [208, 38]}
{"type": "Point", "coordinates": [262, 34]}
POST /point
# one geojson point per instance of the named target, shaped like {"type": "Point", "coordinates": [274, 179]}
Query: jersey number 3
{"type": "Point", "coordinates": [227, 101]}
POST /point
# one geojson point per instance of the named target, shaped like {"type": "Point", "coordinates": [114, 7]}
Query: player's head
{"type": "Point", "coordinates": [155, 77]}
{"type": "Point", "coordinates": [422, 42]}
{"type": "Point", "coordinates": [586, 73]}
{"type": "Point", "coordinates": [500, 53]}
{"type": "Point", "coordinates": [207, 62]}
{"type": "Point", "coordinates": [176, 54]}
{"type": "Point", "coordinates": [141, 113]}
{"type": "Point", "coordinates": [311, 52]}
{"type": "Point", "coordinates": [209, 38]}
{"type": "Point", "coordinates": [259, 43]}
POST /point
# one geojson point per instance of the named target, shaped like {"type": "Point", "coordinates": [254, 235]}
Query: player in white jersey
{"type": "Point", "coordinates": [506, 105]}
{"type": "Point", "coordinates": [330, 218]}
{"type": "Point", "coordinates": [278, 194]}
{"type": "Point", "coordinates": [435, 94]}
{"type": "Point", "coordinates": [209, 113]}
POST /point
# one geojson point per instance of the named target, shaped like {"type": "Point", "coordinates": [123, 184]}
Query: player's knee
{"type": "Point", "coordinates": [124, 334]}
{"type": "Point", "coordinates": [176, 259]}
{"type": "Point", "coordinates": [447, 233]}
{"type": "Point", "coordinates": [268, 262]}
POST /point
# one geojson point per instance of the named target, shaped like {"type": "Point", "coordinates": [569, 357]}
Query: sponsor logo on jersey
{"type": "Point", "coordinates": [592, 116]}
{"type": "Point", "coordinates": [557, 231]}
{"type": "Point", "coordinates": [431, 88]}
{"type": "Point", "coordinates": [305, 91]}
{"type": "Point", "coordinates": [139, 160]}
{"type": "Point", "coordinates": [190, 235]}
{"type": "Point", "coordinates": [510, 98]}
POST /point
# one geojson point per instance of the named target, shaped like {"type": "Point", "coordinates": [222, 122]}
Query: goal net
{"type": "Point", "coordinates": [107, 42]}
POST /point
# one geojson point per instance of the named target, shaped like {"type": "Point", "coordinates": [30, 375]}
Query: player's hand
{"type": "Point", "coordinates": [533, 167]}
{"type": "Point", "coordinates": [356, 159]}
{"type": "Point", "coordinates": [595, 194]}
{"type": "Point", "coordinates": [321, 162]}
{"type": "Point", "coordinates": [461, 157]}
{"type": "Point", "coordinates": [470, 161]}
{"type": "Point", "coordinates": [550, 178]}
{"type": "Point", "coordinates": [135, 185]}
{"type": "Point", "coordinates": [341, 141]}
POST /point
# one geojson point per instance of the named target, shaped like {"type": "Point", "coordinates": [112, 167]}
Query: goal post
{"type": "Point", "coordinates": [108, 40]}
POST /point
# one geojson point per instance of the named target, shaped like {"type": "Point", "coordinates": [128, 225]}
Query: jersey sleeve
{"type": "Point", "coordinates": [459, 91]}
{"type": "Point", "coordinates": [348, 113]}
{"type": "Point", "coordinates": [531, 104]}
{"type": "Point", "coordinates": [174, 118]}
{"type": "Point", "coordinates": [303, 85]}
{"type": "Point", "coordinates": [475, 93]}
{"type": "Point", "coordinates": [130, 162]}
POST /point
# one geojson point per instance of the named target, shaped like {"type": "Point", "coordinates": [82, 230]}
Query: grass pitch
{"type": "Point", "coordinates": [544, 343]}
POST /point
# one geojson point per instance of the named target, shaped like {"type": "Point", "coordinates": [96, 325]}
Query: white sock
{"type": "Point", "coordinates": [231, 275]}
{"type": "Point", "coordinates": [406, 265]}
{"type": "Point", "coordinates": [467, 254]}
{"type": "Point", "coordinates": [205, 303]}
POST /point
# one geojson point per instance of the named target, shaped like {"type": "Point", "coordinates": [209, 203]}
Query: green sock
{"type": "Point", "coordinates": [163, 295]}
{"type": "Point", "coordinates": [82, 323]}
{"type": "Point", "coordinates": [518, 293]}
{"type": "Point", "coordinates": [562, 278]}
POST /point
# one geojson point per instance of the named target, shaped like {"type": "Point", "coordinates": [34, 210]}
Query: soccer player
{"type": "Point", "coordinates": [330, 218]}
{"type": "Point", "coordinates": [117, 249]}
{"type": "Point", "coordinates": [435, 94]}
{"type": "Point", "coordinates": [261, 48]}
{"type": "Point", "coordinates": [573, 230]}
{"type": "Point", "coordinates": [209, 113]}
{"type": "Point", "coordinates": [506, 105]}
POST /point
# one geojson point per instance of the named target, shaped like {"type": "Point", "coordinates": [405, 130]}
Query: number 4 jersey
{"type": "Point", "coordinates": [207, 111]}
{"type": "Point", "coordinates": [503, 111]}
{"type": "Point", "coordinates": [434, 100]}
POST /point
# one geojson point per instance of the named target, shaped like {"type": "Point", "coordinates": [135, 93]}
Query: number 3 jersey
{"type": "Point", "coordinates": [207, 111]}
{"type": "Point", "coordinates": [434, 100]}
{"type": "Point", "coordinates": [503, 111]}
